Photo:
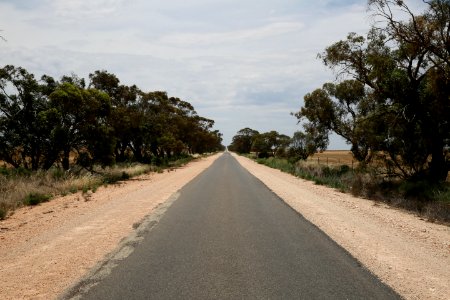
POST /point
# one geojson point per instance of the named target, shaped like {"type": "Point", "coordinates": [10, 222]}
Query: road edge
{"type": "Point", "coordinates": [104, 267]}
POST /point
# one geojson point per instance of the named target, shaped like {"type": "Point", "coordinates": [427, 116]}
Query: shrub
{"type": "Point", "coordinates": [3, 213]}
{"type": "Point", "coordinates": [419, 190]}
{"type": "Point", "coordinates": [442, 194]}
{"type": "Point", "coordinates": [58, 173]}
{"type": "Point", "coordinates": [4, 171]}
{"type": "Point", "coordinates": [36, 198]}
{"type": "Point", "coordinates": [112, 178]}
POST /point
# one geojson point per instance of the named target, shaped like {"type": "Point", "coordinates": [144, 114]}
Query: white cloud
{"type": "Point", "coordinates": [241, 63]}
{"type": "Point", "coordinates": [80, 8]}
{"type": "Point", "coordinates": [201, 39]}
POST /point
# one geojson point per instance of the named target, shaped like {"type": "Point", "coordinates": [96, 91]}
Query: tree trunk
{"type": "Point", "coordinates": [438, 165]}
{"type": "Point", "coordinates": [66, 159]}
{"type": "Point", "coordinates": [137, 152]}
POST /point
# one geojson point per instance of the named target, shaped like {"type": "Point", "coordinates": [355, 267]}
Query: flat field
{"type": "Point", "coordinates": [333, 157]}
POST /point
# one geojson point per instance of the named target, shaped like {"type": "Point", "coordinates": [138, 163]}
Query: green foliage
{"type": "Point", "coordinates": [301, 146]}
{"type": "Point", "coordinates": [265, 144]}
{"type": "Point", "coordinates": [243, 140]}
{"type": "Point", "coordinates": [180, 161]}
{"type": "Point", "coordinates": [396, 104]}
{"type": "Point", "coordinates": [3, 212]}
{"type": "Point", "coordinates": [280, 164]}
{"type": "Point", "coordinates": [425, 191]}
{"type": "Point", "coordinates": [442, 194]}
{"type": "Point", "coordinates": [125, 176]}
{"type": "Point", "coordinates": [58, 173]}
{"type": "Point", "coordinates": [10, 172]}
{"type": "Point", "coordinates": [322, 175]}
{"type": "Point", "coordinates": [36, 198]}
{"type": "Point", "coordinates": [339, 108]}
{"type": "Point", "coordinates": [112, 178]}
{"type": "Point", "coordinates": [49, 123]}
{"type": "Point", "coordinates": [23, 128]}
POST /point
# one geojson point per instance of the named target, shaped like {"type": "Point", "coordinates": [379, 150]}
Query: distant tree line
{"type": "Point", "coordinates": [272, 144]}
{"type": "Point", "coordinates": [392, 102]}
{"type": "Point", "coordinates": [48, 122]}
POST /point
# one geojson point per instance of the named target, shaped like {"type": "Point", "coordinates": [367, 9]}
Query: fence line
{"type": "Point", "coordinates": [330, 160]}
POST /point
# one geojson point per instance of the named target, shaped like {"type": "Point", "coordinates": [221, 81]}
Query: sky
{"type": "Point", "coordinates": [242, 63]}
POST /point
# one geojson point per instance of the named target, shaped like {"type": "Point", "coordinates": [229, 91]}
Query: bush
{"type": "Point", "coordinates": [419, 190]}
{"type": "Point", "coordinates": [58, 173]}
{"type": "Point", "coordinates": [442, 194]}
{"type": "Point", "coordinates": [159, 161]}
{"type": "Point", "coordinates": [36, 198]}
{"type": "Point", "coordinates": [4, 171]}
{"type": "Point", "coordinates": [180, 161]}
{"type": "Point", "coordinates": [112, 178]}
{"type": "Point", "coordinates": [3, 213]}
{"type": "Point", "coordinates": [15, 172]}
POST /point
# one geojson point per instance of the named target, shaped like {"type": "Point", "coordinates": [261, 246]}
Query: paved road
{"type": "Point", "coordinates": [229, 237]}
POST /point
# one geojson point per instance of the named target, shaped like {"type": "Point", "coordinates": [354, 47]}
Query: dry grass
{"type": "Point", "coordinates": [333, 157]}
{"type": "Point", "coordinates": [15, 188]}
{"type": "Point", "coordinates": [20, 187]}
{"type": "Point", "coordinates": [427, 200]}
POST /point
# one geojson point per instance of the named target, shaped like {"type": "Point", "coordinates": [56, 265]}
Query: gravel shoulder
{"type": "Point", "coordinates": [44, 249]}
{"type": "Point", "coordinates": [406, 252]}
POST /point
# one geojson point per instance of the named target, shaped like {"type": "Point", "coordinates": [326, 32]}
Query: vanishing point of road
{"type": "Point", "coordinates": [227, 236]}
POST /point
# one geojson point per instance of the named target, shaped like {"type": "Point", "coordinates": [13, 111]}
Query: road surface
{"type": "Point", "coordinates": [228, 236]}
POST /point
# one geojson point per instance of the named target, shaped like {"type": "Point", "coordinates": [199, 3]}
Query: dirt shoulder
{"type": "Point", "coordinates": [44, 249]}
{"type": "Point", "coordinates": [406, 252]}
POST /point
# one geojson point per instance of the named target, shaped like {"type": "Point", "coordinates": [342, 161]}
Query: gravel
{"type": "Point", "coordinates": [403, 250]}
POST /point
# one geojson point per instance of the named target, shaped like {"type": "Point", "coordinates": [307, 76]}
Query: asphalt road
{"type": "Point", "coordinates": [229, 237]}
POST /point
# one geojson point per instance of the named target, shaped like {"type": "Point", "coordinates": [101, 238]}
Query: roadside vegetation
{"type": "Point", "coordinates": [21, 187]}
{"type": "Point", "coordinates": [59, 136]}
{"type": "Point", "coordinates": [431, 201]}
{"type": "Point", "coordinates": [391, 104]}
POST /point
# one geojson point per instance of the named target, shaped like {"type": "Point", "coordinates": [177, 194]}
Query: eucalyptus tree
{"type": "Point", "coordinates": [24, 124]}
{"type": "Point", "coordinates": [243, 140]}
{"type": "Point", "coordinates": [124, 118]}
{"type": "Point", "coordinates": [397, 103]}
{"type": "Point", "coordinates": [341, 108]}
{"type": "Point", "coordinates": [82, 125]}
{"type": "Point", "coordinates": [425, 40]}
{"type": "Point", "coordinates": [270, 143]}
{"type": "Point", "coordinates": [300, 147]}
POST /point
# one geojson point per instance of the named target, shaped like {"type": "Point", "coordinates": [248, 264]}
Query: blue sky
{"type": "Point", "coordinates": [242, 63]}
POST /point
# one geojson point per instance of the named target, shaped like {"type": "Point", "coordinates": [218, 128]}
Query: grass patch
{"type": "Point", "coordinates": [36, 198]}
{"type": "Point", "coordinates": [276, 163]}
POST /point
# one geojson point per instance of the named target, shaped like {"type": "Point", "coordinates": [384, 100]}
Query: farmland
{"type": "Point", "coordinates": [333, 157]}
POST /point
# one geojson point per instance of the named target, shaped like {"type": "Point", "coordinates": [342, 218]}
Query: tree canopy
{"type": "Point", "coordinates": [264, 144]}
{"type": "Point", "coordinates": [46, 122]}
{"type": "Point", "coordinates": [393, 100]}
